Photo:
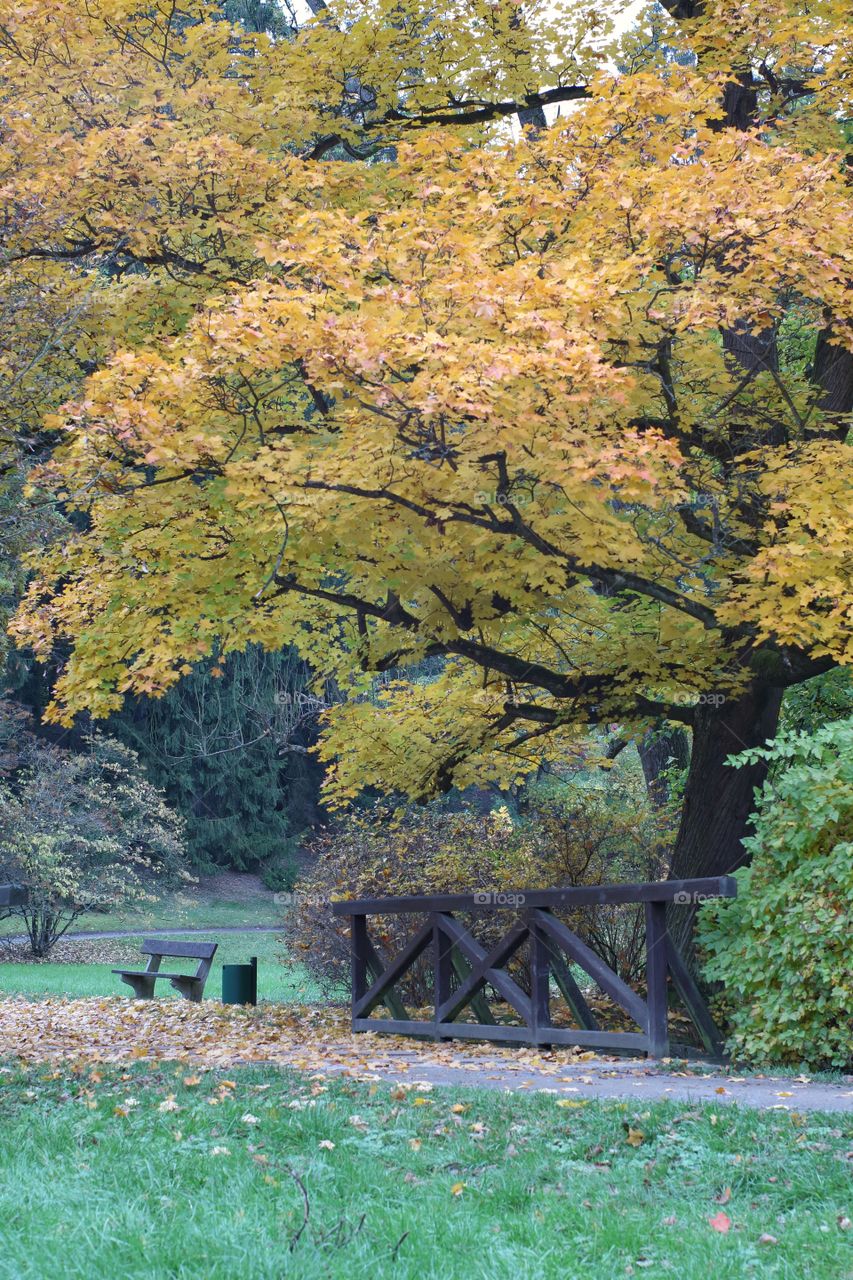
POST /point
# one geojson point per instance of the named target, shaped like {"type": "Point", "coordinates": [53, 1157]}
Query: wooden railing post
{"type": "Point", "coordinates": [359, 953]}
{"type": "Point", "coordinates": [442, 964]}
{"type": "Point", "coordinates": [540, 984]}
{"type": "Point", "coordinates": [657, 965]}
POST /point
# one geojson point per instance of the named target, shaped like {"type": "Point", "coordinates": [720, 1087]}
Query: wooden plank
{"type": "Point", "coordinates": [620, 1041]}
{"type": "Point", "coordinates": [502, 982]}
{"type": "Point", "coordinates": [358, 957]}
{"type": "Point", "coordinates": [478, 1003]}
{"type": "Point", "coordinates": [500, 1033]}
{"type": "Point", "coordinates": [521, 899]}
{"type": "Point", "coordinates": [601, 973]}
{"type": "Point", "coordinates": [155, 973]}
{"type": "Point", "coordinates": [656, 971]}
{"type": "Point", "coordinates": [188, 950]}
{"type": "Point", "coordinates": [442, 951]}
{"type": "Point", "coordinates": [540, 986]}
{"type": "Point", "coordinates": [612, 1041]}
{"type": "Point", "coordinates": [482, 972]}
{"type": "Point", "coordinates": [393, 972]}
{"type": "Point", "coordinates": [396, 1027]}
{"type": "Point", "coordinates": [698, 1010]}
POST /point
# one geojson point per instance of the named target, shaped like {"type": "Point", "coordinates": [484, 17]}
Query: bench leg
{"type": "Point", "coordinates": [190, 988]}
{"type": "Point", "coordinates": [143, 986]}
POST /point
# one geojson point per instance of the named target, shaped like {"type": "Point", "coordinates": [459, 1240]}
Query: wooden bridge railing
{"type": "Point", "coordinates": [462, 968]}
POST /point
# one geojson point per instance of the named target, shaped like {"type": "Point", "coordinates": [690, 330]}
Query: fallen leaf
{"type": "Point", "coordinates": [720, 1222]}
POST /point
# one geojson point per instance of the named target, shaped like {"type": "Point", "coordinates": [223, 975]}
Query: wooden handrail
{"type": "Point", "coordinates": [515, 899]}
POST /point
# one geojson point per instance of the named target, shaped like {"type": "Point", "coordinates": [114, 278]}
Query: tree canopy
{"type": "Point", "coordinates": [374, 372]}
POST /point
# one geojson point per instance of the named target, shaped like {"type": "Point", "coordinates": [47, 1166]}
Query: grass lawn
{"type": "Point", "coordinates": [160, 1171]}
{"type": "Point", "coordinates": [275, 981]}
{"type": "Point", "coordinates": [200, 907]}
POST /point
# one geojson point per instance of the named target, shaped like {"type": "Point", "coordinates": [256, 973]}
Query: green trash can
{"type": "Point", "coordinates": [240, 983]}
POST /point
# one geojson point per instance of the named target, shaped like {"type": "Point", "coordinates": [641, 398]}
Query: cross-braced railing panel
{"type": "Point", "coordinates": [463, 969]}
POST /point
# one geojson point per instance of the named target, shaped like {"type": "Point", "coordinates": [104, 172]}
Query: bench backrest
{"type": "Point", "coordinates": [173, 947]}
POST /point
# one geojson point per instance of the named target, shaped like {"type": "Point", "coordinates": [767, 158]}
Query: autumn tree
{"type": "Point", "coordinates": [83, 832]}
{"type": "Point", "coordinates": [563, 408]}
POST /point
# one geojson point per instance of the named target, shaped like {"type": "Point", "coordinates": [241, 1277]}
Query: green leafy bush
{"type": "Point", "coordinates": [782, 948]}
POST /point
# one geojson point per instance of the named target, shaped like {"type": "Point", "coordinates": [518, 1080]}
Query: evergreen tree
{"type": "Point", "coordinates": [229, 746]}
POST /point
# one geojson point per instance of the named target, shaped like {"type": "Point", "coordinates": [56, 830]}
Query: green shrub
{"type": "Point", "coordinates": [281, 871]}
{"type": "Point", "coordinates": [782, 948]}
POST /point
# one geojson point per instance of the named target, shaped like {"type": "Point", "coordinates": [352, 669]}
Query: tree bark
{"type": "Point", "coordinates": [657, 751]}
{"type": "Point", "coordinates": [718, 799]}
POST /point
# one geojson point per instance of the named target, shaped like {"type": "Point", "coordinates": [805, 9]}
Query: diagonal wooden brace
{"type": "Point", "coordinates": [600, 972]}
{"type": "Point", "coordinates": [395, 970]}
{"type": "Point", "coordinates": [484, 969]}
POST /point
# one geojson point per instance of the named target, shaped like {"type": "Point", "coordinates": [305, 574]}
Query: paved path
{"type": "Point", "coordinates": [633, 1079]}
{"type": "Point", "coordinates": [87, 935]}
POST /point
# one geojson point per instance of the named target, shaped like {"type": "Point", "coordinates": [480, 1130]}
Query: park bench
{"type": "Point", "coordinates": [190, 985]}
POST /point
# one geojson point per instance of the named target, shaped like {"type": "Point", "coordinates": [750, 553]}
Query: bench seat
{"type": "Point", "coordinates": [159, 973]}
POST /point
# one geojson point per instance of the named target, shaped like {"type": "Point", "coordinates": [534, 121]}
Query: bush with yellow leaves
{"type": "Point", "coordinates": [597, 831]}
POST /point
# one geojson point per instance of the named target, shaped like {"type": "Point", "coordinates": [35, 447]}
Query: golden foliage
{"type": "Point", "coordinates": [468, 399]}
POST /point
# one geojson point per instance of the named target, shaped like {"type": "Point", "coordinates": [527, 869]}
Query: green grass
{"type": "Point", "coordinates": [97, 1180]}
{"type": "Point", "coordinates": [186, 909]}
{"type": "Point", "coordinates": [291, 983]}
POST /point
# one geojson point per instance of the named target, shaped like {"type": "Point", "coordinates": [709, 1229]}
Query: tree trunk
{"type": "Point", "coordinates": [658, 750]}
{"type": "Point", "coordinates": [719, 799]}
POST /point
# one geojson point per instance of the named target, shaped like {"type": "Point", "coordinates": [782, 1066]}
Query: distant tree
{"type": "Point", "coordinates": [83, 832]}
{"type": "Point", "coordinates": [229, 746]}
